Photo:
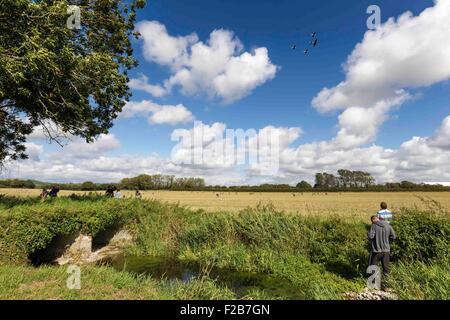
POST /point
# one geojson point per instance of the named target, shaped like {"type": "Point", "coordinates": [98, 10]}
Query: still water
{"type": "Point", "coordinates": [241, 283]}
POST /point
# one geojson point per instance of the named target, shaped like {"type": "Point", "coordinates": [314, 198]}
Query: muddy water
{"type": "Point", "coordinates": [240, 283]}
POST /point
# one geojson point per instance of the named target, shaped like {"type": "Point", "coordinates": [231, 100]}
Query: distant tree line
{"type": "Point", "coordinates": [17, 184]}
{"type": "Point", "coordinates": [343, 181]}
{"type": "Point", "coordinates": [141, 182]}
{"type": "Point", "coordinates": [162, 182]}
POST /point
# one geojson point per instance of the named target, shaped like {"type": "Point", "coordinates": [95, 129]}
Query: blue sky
{"type": "Point", "coordinates": [284, 98]}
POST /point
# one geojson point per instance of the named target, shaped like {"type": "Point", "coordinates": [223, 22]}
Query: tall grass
{"type": "Point", "coordinates": [419, 280]}
{"type": "Point", "coordinates": [322, 256]}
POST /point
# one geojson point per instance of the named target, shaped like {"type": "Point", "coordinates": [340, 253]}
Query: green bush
{"type": "Point", "coordinates": [338, 244]}
{"type": "Point", "coordinates": [422, 236]}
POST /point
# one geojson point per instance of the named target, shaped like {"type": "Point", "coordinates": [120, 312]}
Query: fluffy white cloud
{"type": "Point", "coordinates": [162, 48]}
{"type": "Point", "coordinates": [158, 114]}
{"type": "Point", "coordinates": [79, 149]}
{"type": "Point", "coordinates": [203, 147]}
{"type": "Point", "coordinates": [418, 159]}
{"type": "Point", "coordinates": [359, 126]}
{"type": "Point", "coordinates": [441, 138]}
{"type": "Point", "coordinates": [410, 52]}
{"type": "Point", "coordinates": [215, 146]}
{"type": "Point", "coordinates": [34, 150]}
{"type": "Point", "coordinates": [218, 68]}
{"type": "Point", "coordinates": [427, 157]}
{"type": "Point", "coordinates": [142, 83]}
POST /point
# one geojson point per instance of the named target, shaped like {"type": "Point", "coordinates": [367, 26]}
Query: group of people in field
{"type": "Point", "coordinates": [111, 192]}
{"type": "Point", "coordinates": [52, 193]}
{"type": "Point", "coordinates": [114, 192]}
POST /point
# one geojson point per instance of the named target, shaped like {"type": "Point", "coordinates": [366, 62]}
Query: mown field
{"type": "Point", "coordinates": [361, 204]}
{"type": "Point", "coordinates": [319, 257]}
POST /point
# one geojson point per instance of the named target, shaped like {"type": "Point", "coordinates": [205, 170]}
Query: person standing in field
{"type": "Point", "coordinates": [385, 214]}
{"type": "Point", "coordinates": [117, 194]}
{"type": "Point", "coordinates": [110, 192]}
{"type": "Point", "coordinates": [43, 194]}
{"type": "Point", "coordinates": [138, 194]}
{"type": "Point", "coordinates": [380, 235]}
{"type": "Point", "coordinates": [54, 192]}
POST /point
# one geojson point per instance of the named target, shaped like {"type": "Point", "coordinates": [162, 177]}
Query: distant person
{"type": "Point", "coordinates": [54, 192]}
{"type": "Point", "coordinates": [44, 194]}
{"type": "Point", "coordinates": [138, 194]}
{"type": "Point", "coordinates": [384, 214]}
{"type": "Point", "coordinates": [117, 194]}
{"type": "Point", "coordinates": [110, 192]}
{"type": "Point", "coordinates": [380, 235]}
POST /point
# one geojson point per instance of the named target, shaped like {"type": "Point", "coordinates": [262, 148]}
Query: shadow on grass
{"type": "Point", "coordinates": [11, 201]}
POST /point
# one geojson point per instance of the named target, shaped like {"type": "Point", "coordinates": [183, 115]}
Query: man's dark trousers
{"type": "Point", "coordinates": [384, 257]}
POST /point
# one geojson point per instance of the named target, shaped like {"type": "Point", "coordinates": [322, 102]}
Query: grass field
{"type": "Point", "coordinates": [360, 204]}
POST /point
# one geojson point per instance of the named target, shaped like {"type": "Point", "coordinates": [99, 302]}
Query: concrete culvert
{"type": "Point", "coordinates": [55, 249]}
{"type": "Point", "coordinates": [103, 238]}
{"type": "Point", "coordinates": [83, 249]}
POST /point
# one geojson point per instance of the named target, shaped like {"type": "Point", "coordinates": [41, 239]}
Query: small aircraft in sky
{"type": "Point", "coordinates": [314, 42]}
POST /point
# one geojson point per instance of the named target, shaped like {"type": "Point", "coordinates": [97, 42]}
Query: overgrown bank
{"type": "Point", "coordinates": [321, 256]}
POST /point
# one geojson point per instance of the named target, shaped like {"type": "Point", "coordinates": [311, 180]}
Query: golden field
{"type": "Point", "coordinates": [353, 204]}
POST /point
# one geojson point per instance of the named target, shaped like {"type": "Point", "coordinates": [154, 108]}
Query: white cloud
{"type": "Point", "coordinates": [79, 149]}
{"type": "Point", "coordinates": [34, 150]}
{"type": "Point", "coordinates": [418, 159]}
{"type": "Point", "coordinates": [441, 137]}
{"type": "Point", "coordinates": [172, 115]}
{"type": "Point", "coordinates": [158, 114]}
{"type": "Point", "coordinates": [200, 147]}
{"type": "Point", "coordinates": [243, 74]}
{"type": "Point", "coordinates": [428, 157]}
{"type": "Point", "coordinates": [218, 68]}
{"type": "Point", "coordinates": [162, 48]}
{"type": "Point", "coordinates": [215, 146]}
{"type": "Point", "coordinates": [359, 126]}
{"type": "Point", "coordinates": [142, 84]}
{"type": "Point", "coordinates": [410, 52]}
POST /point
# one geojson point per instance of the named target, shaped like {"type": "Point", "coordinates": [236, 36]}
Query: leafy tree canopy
{"type": "Point", "coordinates": [304, 185]}
{"type": "Point", "coordinates": [50, 74]}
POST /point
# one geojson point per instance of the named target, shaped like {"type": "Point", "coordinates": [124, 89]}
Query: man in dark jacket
{"type": "Point", "coordinates": [380, 234]}
{"type": "Point", "coordinates": [54, 192]}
